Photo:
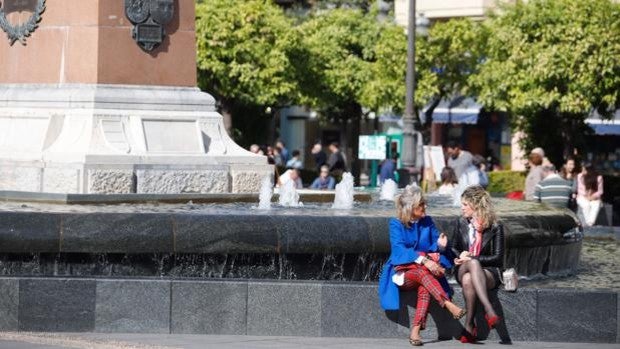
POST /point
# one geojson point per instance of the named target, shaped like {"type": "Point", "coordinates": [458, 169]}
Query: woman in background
{"type": "Point", "coordinates": [569, 172]}
{"type": "Point", "coordinates": [448, 181]}
{"type": "Point", "coordinates": [589, 194]}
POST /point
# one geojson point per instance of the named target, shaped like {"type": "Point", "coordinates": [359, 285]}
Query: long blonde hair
{"type": "Point", "coordinates": [480, 202]}
{"type": "Point", "coordinates": [407, 202]}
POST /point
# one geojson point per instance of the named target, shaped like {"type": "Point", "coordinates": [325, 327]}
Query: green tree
{"type": "Point", "coordinates": [446, 61]}
{"type": "Point", "coordinates": [385, 88]}
{"type": "Point", "coordinates": [326, 4]}
{"type": "Point", "coordinates": [243, 53]}
{"type": "Point", "coordinates": [348, 61]}
{"type": "Point", "coordinates": [550, 63]}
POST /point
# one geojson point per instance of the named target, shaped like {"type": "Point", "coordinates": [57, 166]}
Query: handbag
{"type": "Point", "coordinates": [510, 279]}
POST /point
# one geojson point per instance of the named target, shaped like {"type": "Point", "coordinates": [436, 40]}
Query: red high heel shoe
{"type": "Point", "coordinates": [467, 337]}
{"type": "Point", "coordinates": [492, 321]}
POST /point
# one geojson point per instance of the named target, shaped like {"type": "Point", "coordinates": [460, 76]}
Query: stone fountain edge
{"type": "Point", "coordinates": [286, 308]}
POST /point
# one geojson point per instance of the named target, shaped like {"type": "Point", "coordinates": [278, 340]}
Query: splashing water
{"type": "Point", "coordinates": [266, 192]}
{"type": "Point", "coordinates": [288, 195]}
{"type": "Point", "coordinates": [344, 193]}
{"type": "Point", "coordinates": [456, 194]}
{"type": "Point", "coordinates": [388, 190]}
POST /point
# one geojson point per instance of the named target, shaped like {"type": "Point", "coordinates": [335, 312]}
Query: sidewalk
{"type": "Point", "coordinates": [601, 231]}
{"type": "Point", "coordinates": [24, 340]}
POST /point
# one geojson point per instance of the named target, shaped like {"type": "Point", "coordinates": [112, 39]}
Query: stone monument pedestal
{"type": "Point", "coordinates": [85, 138]}
{"type": "Point", "coordinates": [85, 109]}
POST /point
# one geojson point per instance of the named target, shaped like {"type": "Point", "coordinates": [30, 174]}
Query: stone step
{"type": "Point", "coordinates": [288, 308]}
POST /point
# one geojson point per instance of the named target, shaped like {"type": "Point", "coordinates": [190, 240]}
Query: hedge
{"type": "Point", "coordinates": [501, 182]}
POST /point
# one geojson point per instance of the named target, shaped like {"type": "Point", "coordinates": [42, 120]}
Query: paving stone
{"type": "Point", "coordinates": [9, 302]}
{"type": "Point", "coordinates": [60, 305]}
{"type": "Point", "coordinates": [352, 310]}
{"type": "Point", "coordinates": [209, 307]}
{"type": "Point", "coordinates": [284, 309]}
{"type": "Point", "coordinates": [133, 306]}
{"type": "Point", "coordinates": [574, 316]}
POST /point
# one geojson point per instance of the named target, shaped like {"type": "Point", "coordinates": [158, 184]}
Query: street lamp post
{"type": "Point", "coordinates": [409, 150]}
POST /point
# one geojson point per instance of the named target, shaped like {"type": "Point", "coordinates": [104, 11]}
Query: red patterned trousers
{"type": "Point", "coordinates": [420, 278]}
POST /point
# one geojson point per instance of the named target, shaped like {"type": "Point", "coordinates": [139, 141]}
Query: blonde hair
{"type": "Point", "coordinates": [407, 202]}
{"type": "Point", "coordinates": [480, 202]}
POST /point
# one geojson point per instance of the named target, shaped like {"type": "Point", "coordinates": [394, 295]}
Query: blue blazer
{"type": "Point", "coordinates": [406, 246]}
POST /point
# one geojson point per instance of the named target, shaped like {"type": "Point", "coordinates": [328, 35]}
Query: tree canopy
{"type": "Point", "coordinates": [447, 59]}
{"type": "Point", "coordinates": [243, 51]}
{"type": "Point", "coordinates": [542, 61]}
{"type": "Point", "coordinates": [350, 61]}
{"type": "Point", "coordinates": [552, 62]}
{"type": "Point", "coordinates": [350, 58]}
{"type": "Point", "coordinates": [250, 52]}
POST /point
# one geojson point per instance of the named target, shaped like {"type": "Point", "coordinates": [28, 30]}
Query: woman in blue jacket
{"type": "Point", "coordinates": [418, 259]}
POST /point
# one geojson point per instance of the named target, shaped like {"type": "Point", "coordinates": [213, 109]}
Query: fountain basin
{"type": "Point", "coordinates": [234, 240]}
{"type": "Point", "coordinates": [307, 195]}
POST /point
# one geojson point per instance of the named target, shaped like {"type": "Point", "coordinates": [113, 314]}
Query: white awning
{"type": "Point", "coordinates": [458, 110]}
{"type": "Point", "coordinates": [604, 127]}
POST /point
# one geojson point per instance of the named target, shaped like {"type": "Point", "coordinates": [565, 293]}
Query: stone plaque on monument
{"type": "Point", "coordinates": [86, 109]}
{"type": "Point", "coordinates": [150, 18]}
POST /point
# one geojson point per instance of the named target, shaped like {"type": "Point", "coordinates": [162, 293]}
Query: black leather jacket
{"type": "Point", "coordinates": [492, 249]}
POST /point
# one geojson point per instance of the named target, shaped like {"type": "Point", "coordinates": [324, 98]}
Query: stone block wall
{"type": "Point", "coordinates": [287, 308]}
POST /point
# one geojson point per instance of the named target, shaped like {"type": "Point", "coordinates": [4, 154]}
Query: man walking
{"type": "Point", "coordinates": [458, 159]}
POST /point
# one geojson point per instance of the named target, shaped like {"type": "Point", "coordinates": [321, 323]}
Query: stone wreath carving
{"type": "Point", "coordinates": [22, 31]}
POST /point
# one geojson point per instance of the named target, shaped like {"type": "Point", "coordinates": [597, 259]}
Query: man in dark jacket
{"type": "Point", "coordinates": [320, 158]}
{"type": "Point", "coordinates": [336, 161]}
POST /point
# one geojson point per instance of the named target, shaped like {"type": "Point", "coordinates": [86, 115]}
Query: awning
{"type": "Point", "coordinates": [603, 127]}
{"type": "Point", "coordinates": [389, 117]}
{"type": "Point", "coordinates": [458, 110]}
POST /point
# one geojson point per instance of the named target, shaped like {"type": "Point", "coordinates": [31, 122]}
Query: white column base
{"type": "Point", "coordinates": [119, 139]}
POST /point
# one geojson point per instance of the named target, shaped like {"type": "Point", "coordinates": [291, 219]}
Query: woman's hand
{"type": "Point", "coordinates": [462, 258]}
{"type": "Point", "coordinates": [442, 241]}
{"type": "Point", "coordinates": [459, 261]}
{"type": "Point", "coordinates": [465, 255]}
{"type": "Point", "coordinates": [434, 267]}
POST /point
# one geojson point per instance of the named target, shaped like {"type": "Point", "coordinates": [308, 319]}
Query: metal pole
{"type": "Point", "coordinates": [409, 141]}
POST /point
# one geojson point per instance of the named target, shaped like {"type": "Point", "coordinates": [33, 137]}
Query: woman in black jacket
{"type": "Point", "coordinates": [478, 243]}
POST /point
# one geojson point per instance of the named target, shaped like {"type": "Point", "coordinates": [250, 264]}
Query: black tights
{"type": "Point", "coordinates": [475, 282]}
